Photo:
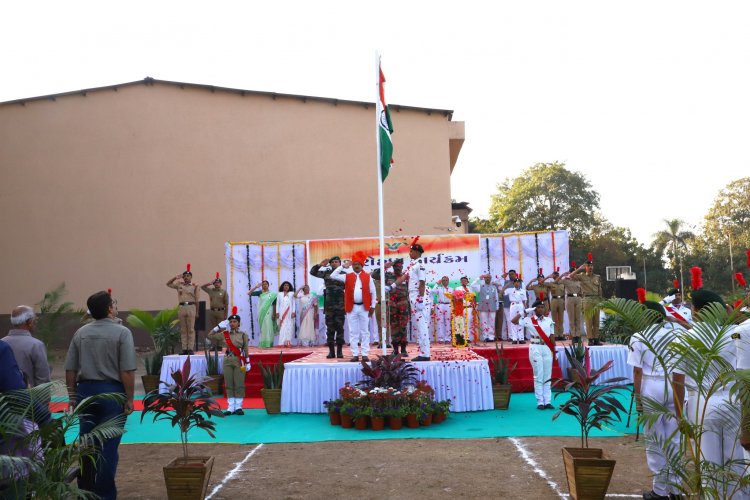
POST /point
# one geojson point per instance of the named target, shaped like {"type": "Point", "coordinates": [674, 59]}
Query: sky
{"type": "Point", "coordinates": [650, 100]}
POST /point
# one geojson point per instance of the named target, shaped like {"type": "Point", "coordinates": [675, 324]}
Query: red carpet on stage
{"type": "Point", "coordinates": [522, 377]}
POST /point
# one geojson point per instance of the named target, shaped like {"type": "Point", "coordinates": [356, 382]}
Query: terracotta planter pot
{"type": "Point", "coordinates": [150, 383]}
{"type": "Point", "coordinates": [395, 423]}
{"type": "Point", "coordinates": [438, 418]}
{"type": "Point", "coordinates": [360, 423]}
{"type": "Point", "coordinates": [411, 421]}
{"type": "Point", "coordinates": [271, 400]}
{"type": "Point", "coordinates": [426, 421]}
{"type": "Point", "coordinates": [588, 471]}
{"type": "Point", "coordinates": [347, 422]}
{"type": "Point", "coordinates": [377, 423]}
{"type": "Point", "coordinates": [501, 396]}
{"type": "Point", "coordinates": [188, 478]}
{"type": "Point", "coordinates": [335, 418]}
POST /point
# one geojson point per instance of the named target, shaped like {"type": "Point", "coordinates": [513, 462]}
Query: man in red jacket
{"type": "Point", "coordinates": [359, 303]}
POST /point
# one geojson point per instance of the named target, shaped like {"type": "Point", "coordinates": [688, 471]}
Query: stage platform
{"type": "Point", "coordinates": [314, 358]}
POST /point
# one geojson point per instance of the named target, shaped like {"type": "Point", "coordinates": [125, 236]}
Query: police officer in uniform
{"type": "Point", "coordinates": [334, 305]}
{"type": "Point", "coordinates": [418, 298]}
{"type": "Point", "coordinates": [218, 301]}
{"type": "Point", "coordinates": [234, 367]}
{"type": "Point", "coordinates": [591, 287]}
{"type": "Point", "coordinates": [573, 299]}
{"type": "Point", "coordinates": [540, 354]}
{"type": "Point", "coordinates": [187, 299]}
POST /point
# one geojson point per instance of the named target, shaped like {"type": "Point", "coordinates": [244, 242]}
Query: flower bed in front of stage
{"type": "Point", "coordinates": [412, 406]}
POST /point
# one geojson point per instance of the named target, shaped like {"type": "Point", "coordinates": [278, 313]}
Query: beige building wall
{"type": "Point", "coordinates": [120, 187]}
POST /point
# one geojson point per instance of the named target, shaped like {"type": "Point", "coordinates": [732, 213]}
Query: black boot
{"type": "Point", "coordinates": [331, 352]}
{"type": "Point", "coordinates": [340, 350]}
{"type": "Point", "coordinates": [404, 354]}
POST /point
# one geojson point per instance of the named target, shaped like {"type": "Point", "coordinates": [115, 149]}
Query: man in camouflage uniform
{"type": "Point", "coordinates": [218, 302]}
{"type": "Point", "coordinates": [398, 305]}
{"type": "Point", "coordinates": [334, 306]}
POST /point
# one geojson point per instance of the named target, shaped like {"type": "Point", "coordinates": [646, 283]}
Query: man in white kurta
{"type": "Point", "coordinates": [650, 380]}
{"type": "Point", "coordinates": [420, 310]}
{"type": "Point", "coordinates": [536, 326]}
{"type": "Point", "coordinates": [359, 305]}
{"type": "Point", "coordinates": [443, 310]}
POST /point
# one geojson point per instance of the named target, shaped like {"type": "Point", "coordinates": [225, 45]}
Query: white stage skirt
{"type": "Point", "coordinates": [466, 383]}
{"type": "Point", "coordinates": [600, 355]}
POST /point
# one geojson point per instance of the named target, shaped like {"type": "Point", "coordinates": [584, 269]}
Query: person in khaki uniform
{"type": "Point", "coordinates": [591, 287]}
{"type": "Point", "coordinates": [236, 361]}
{"type": "Point", "coordinates": [573, 299]}
{"type": "Point", "coordinates": [537, 288]}
{"type": "Point", "coordinates": [187, 298]}
{"type": "Point", "coordinates": [218, 302]}
{"type": "Point", "coordinates": [556, 294]}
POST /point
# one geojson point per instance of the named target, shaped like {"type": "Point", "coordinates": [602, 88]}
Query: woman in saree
{"type": "Point", "coordinates": [286, 313]}
{"type": "Point", "coordinates": [266, 313]}
{"type": "Point", "coordinates": [308, 311]}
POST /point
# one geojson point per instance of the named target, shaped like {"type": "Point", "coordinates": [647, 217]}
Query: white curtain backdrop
{"type": "Point", "coordinates": [274, 262]}
{"type": "Point", "coordinates": [525, 253]}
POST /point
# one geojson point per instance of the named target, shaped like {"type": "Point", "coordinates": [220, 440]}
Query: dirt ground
{"type": "Point", "coordinates": [414, 468]}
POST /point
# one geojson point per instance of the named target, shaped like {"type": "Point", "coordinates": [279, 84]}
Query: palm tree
{"type": "Point", "coordinates": [672, 240]}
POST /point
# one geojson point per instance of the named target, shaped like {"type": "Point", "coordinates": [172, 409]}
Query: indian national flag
{"type": "Point", "coordinates": [385, 130]}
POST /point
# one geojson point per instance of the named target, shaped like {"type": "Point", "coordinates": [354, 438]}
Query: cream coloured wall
{"type": "Point", "coordinates": [120, 188]}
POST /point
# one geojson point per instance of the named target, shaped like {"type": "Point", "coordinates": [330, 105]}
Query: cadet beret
{"type": "Point", "coordinates": [417, 247]}
{"type": "Point", "coordinates": [702, 298]}
{"type": "Point", "coordinates": [537, 303]}
{"type": "Point", "coordinates": [335, 257]}
{"type": "Point", "coordinates": [655, 306]}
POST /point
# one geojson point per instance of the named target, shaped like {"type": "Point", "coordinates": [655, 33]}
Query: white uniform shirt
{"type": "Point", "coordinates": [440, 292]}
{"type": "Point", "coordinates": [417, 273]}
{"type": "Point", "coordinates": [641, 357]}
{"type": "Point", "coordinates": [515, 295]}
{"type": "Point", "coordinates": [742, 342]}
{"type": "Point", "coordinates": [680, 309]}
{"type": "Point", "coordinates": [545, 323]}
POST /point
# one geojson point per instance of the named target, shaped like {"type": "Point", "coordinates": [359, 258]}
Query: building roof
{"type": "Point", "coordinates": [148, 81]}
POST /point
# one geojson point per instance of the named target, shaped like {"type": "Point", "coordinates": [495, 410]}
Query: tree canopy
{"type": "Point", "coordinates": [546, 196]}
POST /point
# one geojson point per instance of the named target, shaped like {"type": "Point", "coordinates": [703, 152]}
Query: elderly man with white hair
{"type": "Point", "coordinates": [30, 352]}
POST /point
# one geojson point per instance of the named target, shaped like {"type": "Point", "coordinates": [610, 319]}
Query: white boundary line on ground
{"type": "Point", "coordinates": [540, 472]}
{"type": "Point", "coordinates": [233, 472]}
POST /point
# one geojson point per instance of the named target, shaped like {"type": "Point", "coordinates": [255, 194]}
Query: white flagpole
{"type": "Point", "coordinates": [383, 304]}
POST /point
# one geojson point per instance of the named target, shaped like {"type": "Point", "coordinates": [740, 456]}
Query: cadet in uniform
{"type": "Point", "coordinates": [218, 302]}
{"type": "Point", "coordinates": [537, 326]}
{"type": "Point", "coordinates": [675, 308]}
{"type": "Point", "coordinates": [556, 294]}
{"type": "Point", "coordinates": [333, 305]}
{"type": "Point", "coordinates": [187, 299]}
{"type": "Point", "coordinates": [538, 288]}
{"type": "Point", "coordinates": [418, 303]}
{"type": "Point", "coordinates": [236, 361]}
{"type": "Point", "coordinates": [517, 298]}
{"type": "Point", "coordinates": [591, 287]}
{"type": "Point", "coordinates": [511, 277]}
{"type": "Point", "coordinates": [397, 300]}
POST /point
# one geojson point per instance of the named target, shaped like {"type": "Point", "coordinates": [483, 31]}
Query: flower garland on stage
{"type": "Point", "coordinates": [459, 339]}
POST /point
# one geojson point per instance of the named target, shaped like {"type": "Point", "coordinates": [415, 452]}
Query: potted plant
{"type": "Point", "coordinates": [589, 470]}
{"type": "Point", "coordinates": [334, 410]}
{"type": "Point", "coordinates": [152, 377]}
{"type": "Point", "coordinates": [362, 417]}
{"type": "Point", "coordinates": [441, 411]}
{"type": "Point", "coordinates": [396, 416]}
{"type": "Point", "coordinates": [213, 379]}
{"type": "Point", "coordinates": [578, 351]}
{"type": "Point", "coordinates": [187, 405]}
{"type": "Point", "coordinates": [273, 377]}
{"type": "Point", "coordinates": [501, 388]}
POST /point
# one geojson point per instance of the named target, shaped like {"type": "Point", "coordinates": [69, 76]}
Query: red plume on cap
{"type": "Point", "coordinates": [109, 290]}
{"type": "Point", "coordinates": [541, 295]}
{"type": "Point", "coordinates": [676, 284]}
{"type": "Point", "coordinates": [696, 277]}
{"type": "Point", "coordinates": [217, 274]}
{"type": "Point", "coordinates": [414, 241]}
{"type": "Point", "coordinates": [641, 292]}
{"type": "Point", "coordinates": [591, 257]}
{"type": "Point", "coordinates": [747, 252]}
{"type": "Point", "coordinates": [740, 279]}
{"type": "Point", "coordinates": [188, 267]}
{"type": "Point", "coordinates": [359, 256]}
{"type": "Point", "coordinates": [573, 263]}
{"type": "Point", "coordinates": [738, 303]}
{"type": "Point", "coordinates": [234, 310]}
{"type": "Point", "coordinates": [557, 269]}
